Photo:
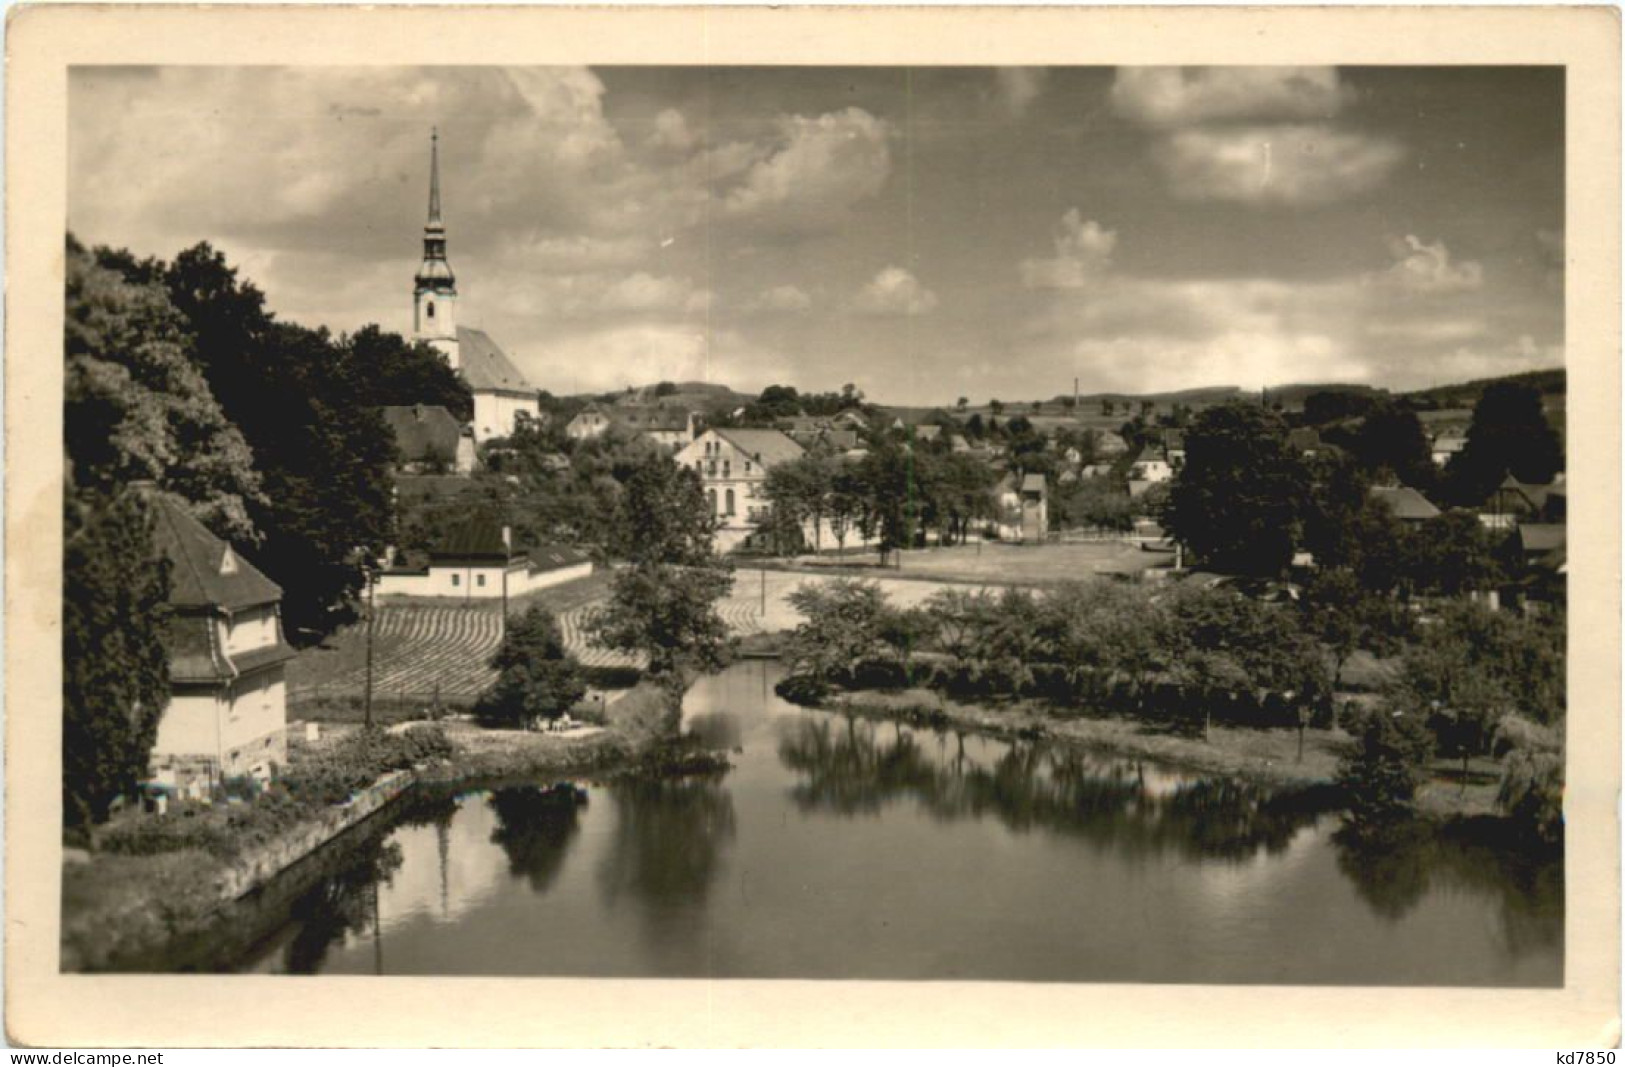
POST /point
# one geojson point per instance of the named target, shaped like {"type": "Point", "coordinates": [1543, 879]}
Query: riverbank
{"type": "Point", "coordinates": [1261, 756]}
{"type": "Point", "coordinates": [120, 911]}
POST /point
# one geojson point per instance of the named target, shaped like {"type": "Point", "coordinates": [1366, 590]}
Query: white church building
{"type": "Point", "coordinates": [502, 396]}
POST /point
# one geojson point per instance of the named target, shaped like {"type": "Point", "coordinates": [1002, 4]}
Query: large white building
{"type": "Point", "coordinates": [733, 466]}
{"type": "Point", "coordinates": [502, 396]}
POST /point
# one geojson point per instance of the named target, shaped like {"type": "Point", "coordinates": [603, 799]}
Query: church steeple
{"type": "Point", "coordinates": [434, 289]}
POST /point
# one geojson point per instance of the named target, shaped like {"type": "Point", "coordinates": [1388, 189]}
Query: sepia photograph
{"type": "Point", "coordinates": [1057, 524]}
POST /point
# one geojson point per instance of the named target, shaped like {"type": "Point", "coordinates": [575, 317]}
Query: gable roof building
{"type": "Point", "coordinates": [428, 436]}
{"type": "Point", "coordinates": [227, 713]}
{"type": "Point", "coordinates": [1406, 503]}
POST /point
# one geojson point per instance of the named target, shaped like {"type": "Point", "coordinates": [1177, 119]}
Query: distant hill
{"type": "Point", "coordinates": [1550, 384]}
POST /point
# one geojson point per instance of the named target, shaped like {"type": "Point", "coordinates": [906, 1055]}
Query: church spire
{"type": "Point", "coordinates": [434, 288]}
{"type": "Point", "coordinates": [434, 177]}
{"type": "Point", "coordinates": [435, 273]}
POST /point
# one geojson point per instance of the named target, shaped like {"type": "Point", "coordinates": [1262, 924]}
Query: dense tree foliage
{"type": "Point", "coordinates": [308, 410]}
{"type": "Point", "coordinates": [537, 678]}
{"type": "Point", "coordinates": [664, 602]}
{"type": "Point", "coordinates": [136, 408]}
{"type": "Point", "coordinates": [1509, 434]}
{"type": "Point", "coordinates": [115, 673]}
{"type": "Point", "coordinates": [395, 372]}
{"type": "Point", "coordinates": [1239, 503]}
{"type": "Point", "coordinates": [1383, 771]}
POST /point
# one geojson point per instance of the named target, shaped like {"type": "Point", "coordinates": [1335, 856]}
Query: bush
{"type": "Point", "coordinates": [1383, 771]}
{"type": "Point", "coordinates": [537, 678]}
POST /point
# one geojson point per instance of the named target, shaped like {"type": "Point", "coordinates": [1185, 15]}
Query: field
{"type": "Point", "coordinates": [426, 650]}
{"type": "Point", "coordinates": [1005, 564]}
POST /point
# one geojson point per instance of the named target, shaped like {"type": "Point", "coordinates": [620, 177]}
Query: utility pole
{"type": "Point", "coordinates": [372, 622]}
{"type": "Point", "coordinates": [763, 573]}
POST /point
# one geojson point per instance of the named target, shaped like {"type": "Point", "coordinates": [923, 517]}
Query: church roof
{"type": "Point", "coordinates": [485, 367]}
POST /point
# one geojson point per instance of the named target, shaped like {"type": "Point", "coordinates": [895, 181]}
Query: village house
{"type": "Point", "coordinates": [590, 422]}
{"type": "Point", "coordinates": [502, 396]}
{"type": "Point", "coordinates": [1406, 504]}
{"type": "Point", "coordinates": [478, 560]}
{"type": "Point", "coordinates": [429, 439]}
{"type": "Point", "coordinates": [1173, 449]}
{"type": "Point", "coordinates": [227, 712]}
{"type": "Point", "coordinates": [1446, 446]}
{"type": "Point", "coordinates": [669, 427]}
{"type": "Point", "coordinates": [733, 465]}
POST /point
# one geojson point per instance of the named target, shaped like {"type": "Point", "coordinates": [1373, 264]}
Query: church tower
{"type": "Point", "coordinates": [434, 290]}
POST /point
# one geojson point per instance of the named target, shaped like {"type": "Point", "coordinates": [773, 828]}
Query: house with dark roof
{"type": "Point", "coordinates": [227, 713]}
{"type": "Point", "coordinates": [479, 560]}
{"type": "Point", "coordinates": [733, 465]}
{"type": "Point", "coordinates": [429, 439]}
{"type": "Point", "coordinates": [591, 421]}
{"type": "Point", "coordinates": [668, 425]}
{"type": "Point", "coordinates": [1406, 504]}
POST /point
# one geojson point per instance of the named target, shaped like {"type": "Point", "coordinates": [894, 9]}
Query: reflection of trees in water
{"type": "Point", "coordinates": [849, 769]}
{"type": "Point", "coordinates": [1392, 874]}
{"type": "Point", "coordinates": [535, 828]}
{"type": "Point", "coordinates": [715, 729]}
{"type": "Point", "coordinates": [668, 845]}
{"type": "Point", "coordinates": [342, 904]}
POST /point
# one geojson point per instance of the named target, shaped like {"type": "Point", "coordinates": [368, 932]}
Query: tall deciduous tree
{"type": "Point", "coordinates": [115, 674]}
{"type": "Point", "coordinates": [305, 407]}
{"type": "Point", "coordinates": [135, 406]}
{"type": "Point", "coordinates": [1509, 434]}
{"type": "Point", "coordinates": [664, 603]}
{"type": "Point", "coordinates": [1238, 504]}
{"type": "Point", "coordinates": [394, 372]}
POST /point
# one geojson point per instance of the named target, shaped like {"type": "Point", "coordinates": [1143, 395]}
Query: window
{"type": "Point", "coordinates": [479, 579]}
{"type": "Point", "coordinates": [711, 500]}
{"type": "Point", "coordinates": [727, 468]}
{"type": "Point", "coordinates": [730, 510]}
{"type": "Point", "coordinates": [429, 309]}
{"type": "Point", "coordinates": [456, 580]}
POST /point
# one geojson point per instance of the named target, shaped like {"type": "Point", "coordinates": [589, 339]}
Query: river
{"type": "Point", "coordinates": [856, 849]}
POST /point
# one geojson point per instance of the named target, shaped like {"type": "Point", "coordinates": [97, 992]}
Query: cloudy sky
{"type": "Point", "coordinates": [925, 233]}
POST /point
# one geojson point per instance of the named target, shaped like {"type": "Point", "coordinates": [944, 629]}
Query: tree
{"type": "Point", "coordinates": [1390, 438]}
{"type": "Point", "coordinates": [800, 490]}
{"type": "Point", "coordinates": [664, 604]}
{"type": "Point", "coordinates": [1452, 554]}
{"type": "Point", "coordinates": [395, 372]}
{"type": "Point", "coordinates": [1383, 771]}
{"type": "Point", "coordinates": [1239, 502]}
{"type": "Point", "coordinates": [537, 678]}
{"type": "Point", "coordinates": [1509, 434]}
{"type": "Point", "coordinates": [304, 407]}
{"type": "Point", "coordinates": [115, 672]}
{"type": "Point", "coordinates": [135, 407]}
{"type": "Point", "coordinates": [839, 633]}
{"type": "Point", "coordinates": [1337, 611]}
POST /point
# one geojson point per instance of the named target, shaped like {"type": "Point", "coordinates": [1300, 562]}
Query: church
{"type": "Point", "coordinates": [502, 396]}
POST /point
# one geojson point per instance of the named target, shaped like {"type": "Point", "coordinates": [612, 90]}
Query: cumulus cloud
{"type": "Point", "coordinates": [895, 291]}
{"type": "Point", "coordinates": [1083, 249]}
{"type": "Point", "coordinates": [783, 298]}
{"type": "Point", "coordinates": [1018, 87]}
{"type": "Point", "coordinates": [818, 169]}
{"type": "Point", "coordinates": [671, 131]}
{"type": "Point", "coordinates": [1177, 96]}
{"type": "Point", "coordinates": [1253, 135]}
{"type": "Point", "coordinates": [1423, 268]}
{"type": "Point", "coordinates": [1287, 164]}
{"type": "Point", "coordinates": [615, 356]}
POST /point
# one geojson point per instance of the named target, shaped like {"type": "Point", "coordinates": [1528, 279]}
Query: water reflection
{"type": "Point", "coordinates": [535, 828]}
{"type": "Point", "coordinates": [670, 839]}
{"type": "Point", "coordinates": [1395, 873]}
{"type": "Point", "coordinates": [850, 768]}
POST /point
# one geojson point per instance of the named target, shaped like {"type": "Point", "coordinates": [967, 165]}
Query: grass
{"type": "Point", "coordinates": [1001, 563]}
